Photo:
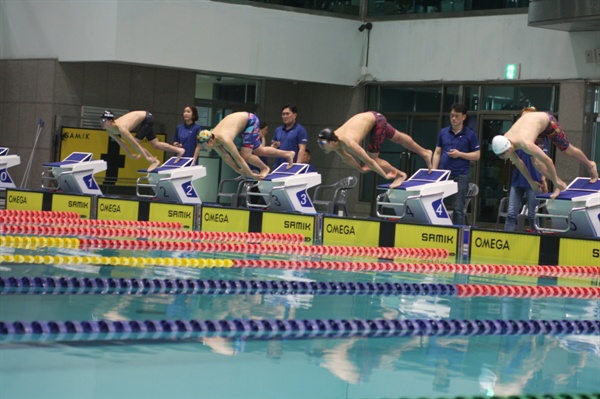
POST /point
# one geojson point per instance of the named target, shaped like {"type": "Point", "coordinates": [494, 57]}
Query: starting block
{"type": "Point", "coordinates": [7, 161]}
{"type": "Point", "coordinates": [178, 182]}
{"type": "Point", "coordinates": [285, 189]}
{"type": "Point", "coordinates": [419, 199]}
{"type": "Point", "coordinates": [576, 210]}
{"type": "Point", "coordinates": [74, 174]}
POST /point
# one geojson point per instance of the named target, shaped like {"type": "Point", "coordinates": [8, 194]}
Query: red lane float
{"type": "Point", "coordinates": [520, 291]}
{"type": "Point", "coordinates": [69, 221]}
{"type": "Point", "coordinates": [301, 250]}
{"type": "Point", "coordinates": [56, 222]}
{"type": "Point", "coordinates": [522, 270]}
{"type": "Point", "coordinates": [27, 213]}
{"type": "Point", "coordinates": [115, 232]}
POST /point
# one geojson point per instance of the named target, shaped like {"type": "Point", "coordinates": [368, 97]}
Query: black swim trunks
{"type": "Point", "coordinates": [146, 128]}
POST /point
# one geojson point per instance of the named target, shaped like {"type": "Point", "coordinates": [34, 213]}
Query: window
{"type": "Point", "coordinates": [424, 7]}
{"type": "Point", "coordinates": [385, 8]}
{"type": "Point", "coordinates": [411, 99]}
{"type": "Point", "coordinates": [518, 97]}
{"type": "Point", "coordinates": [217, 96]}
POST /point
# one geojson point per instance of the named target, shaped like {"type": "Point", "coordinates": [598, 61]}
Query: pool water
{"type": "Point", "coordinates": [242, 367]}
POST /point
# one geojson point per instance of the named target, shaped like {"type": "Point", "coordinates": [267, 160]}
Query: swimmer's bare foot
{"type": "Point", "coordinates": [136, 156]}
{"type": "Point", "coordinates": [261, 175]}
{"type": "Point", "coordinates": [153, 165]}
{"type": "Point", "coordinates": [180, 153]}
{"type": "Point", "coordinates": [559, 186]}
{"type": "Point", "coordinates": [593, 170]}
{"type": "Point", "coordinates": [290, 158]}
{"type": "Point", "coordinates": [555, 193]}
{"type": "Point", "coordinates": [400, 177]}
{"type": "Point", "coordinates": [429, 160]}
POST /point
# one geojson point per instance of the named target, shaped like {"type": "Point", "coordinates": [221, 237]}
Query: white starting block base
{"type": "Point", "coordinates": [576, 210]}
{"type": "Point", "coordinates": [7, 161]}
{"type": "Point", "coordinates": [178, 182]}
{"type": "Point", "coordinates": [74, 174]}
{"type": "Point", "coordinates": [419, 199]}
{"type": "Point", "coordinates": [285, 189]}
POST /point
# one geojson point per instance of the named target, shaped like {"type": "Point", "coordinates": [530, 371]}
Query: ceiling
{"type": "Point", "coordinates": [565, 15]}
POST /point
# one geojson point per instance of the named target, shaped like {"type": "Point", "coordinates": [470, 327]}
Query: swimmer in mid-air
{"type": "Point", "coordinates": [120, 130]}
{"type": "Point", "coordinates": [221, 139]}
{"type": "Point", "coordinates": [526, 134]}
{"type": "Point", "coordinates": [346, 141]}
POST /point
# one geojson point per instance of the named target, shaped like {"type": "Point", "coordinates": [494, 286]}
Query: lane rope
{"type": "Point", "coordinates": [145, 286]}
{"type": "Point", "coordinates": [30, 213]}
{"type": "Point", "coordinates": [339, 265]}
{"type": "Point", "coordinates": [148, 230]}
{"type": "Point", "coordinates": [217, 247]}
{"type": "Point", "coordinates": [477, 269]}
{"type": "Point", "coordinates": [26, 221]}
{"type": "Point", "coordinates": [92, 330]}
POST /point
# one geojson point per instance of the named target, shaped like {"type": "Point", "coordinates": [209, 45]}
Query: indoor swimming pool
{"type": "Point", "coordinates": [104, 320]}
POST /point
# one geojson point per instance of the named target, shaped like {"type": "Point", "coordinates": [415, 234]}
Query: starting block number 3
{"type": "Point", "coordinates": [304, 199]}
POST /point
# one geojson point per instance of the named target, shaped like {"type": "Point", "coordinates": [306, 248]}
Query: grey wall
{"type": "Point", "coordinates": [576, 123]}
{"type": "Point", "coordinates": [195, 35]}
{"type": "Point", "coordinates": [477, 49]}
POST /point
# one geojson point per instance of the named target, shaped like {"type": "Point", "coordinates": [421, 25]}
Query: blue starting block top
{"type": "Point", "coordinates": [579, 187]}
{"type": "Point", "coordinates": [170, 165]}
{"type": "Point", "coordinates": [282, 172]}
{"type": "Point", "coordinates": [75, 157]}
{"type": "Point", "coordinates": [3, 151]}
{"type": "Point", "coordinates": [421, 177]}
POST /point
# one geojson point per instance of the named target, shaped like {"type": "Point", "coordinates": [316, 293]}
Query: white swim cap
{"type": "Point", "coordinates": [500, 144]}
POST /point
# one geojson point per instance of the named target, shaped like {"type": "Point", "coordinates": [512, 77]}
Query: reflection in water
{"type": "Point", "coordinates": [338, 362]}
{"type": "Point", "coordinates": [357, 367]}
{"type": "Point", "coordinates": [225, 346]}
{"type": "Point", "coordinates": [493, 365]}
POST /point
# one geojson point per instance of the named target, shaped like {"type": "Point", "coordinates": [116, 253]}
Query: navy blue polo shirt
{"type": "Point", "coordinates": [186, 135]}
{"type": "Point", "coordinates": [290, 139]}
{"type": "Point", "coordinates": [465, 141]}
{"type": "Point", "coordinates": [518, 180]}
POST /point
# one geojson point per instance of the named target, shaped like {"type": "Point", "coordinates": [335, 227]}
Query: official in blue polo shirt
{"type": "Point", "coordinates": [457, 145]}
{"type": "Point", "coordinates": [520, 187]}
{"type": "Point", "coordinates": [291, 136]}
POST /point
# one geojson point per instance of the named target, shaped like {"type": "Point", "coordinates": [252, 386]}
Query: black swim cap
{"type": "Point", "coordinates": [107, 115]}
{"type": "Point", "coordinates": [327, 134]}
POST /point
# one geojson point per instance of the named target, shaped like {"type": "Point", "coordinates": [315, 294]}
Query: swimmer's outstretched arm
{"type": "Point", "coordinates": [349, 160]}
{"type": "Point", "coordinates": [516, 160]}
{"type": "Point", "coordinates": [124, 146]}
{"type": "Point", "coordinates": [361, 154]}
{"type": "Point", "coordinates": [229, 160]}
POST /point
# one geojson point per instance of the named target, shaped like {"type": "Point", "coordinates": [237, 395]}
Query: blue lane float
{"type": "Point", "coordinates": [102, 330]}
{"type": "Point", "coordinates": [144, 286]}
